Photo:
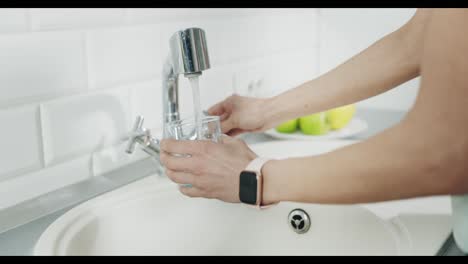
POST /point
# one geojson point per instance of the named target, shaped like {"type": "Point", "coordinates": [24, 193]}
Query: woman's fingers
{"type": "Point", "coordinates": [235, 132]}
{"type": "Point", "coordinates": [180, 177]}
{"type": "Point", "coordinates": [217, 109]}
{"type": "Point", "coordinates": [192, 192]}
{"type": "Point", "coordinates": [192, 164]}
{"type": "Point", "coordinates": [227, 125]}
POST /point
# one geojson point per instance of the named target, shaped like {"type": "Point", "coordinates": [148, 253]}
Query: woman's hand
{"type": "Point", "coordinates": [212, 169]}
{"type": "Point", "coordinates": [239, 114]}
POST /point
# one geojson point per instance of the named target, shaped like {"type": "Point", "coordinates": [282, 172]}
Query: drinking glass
{"type": "Point", "coordinates": [186, 129]}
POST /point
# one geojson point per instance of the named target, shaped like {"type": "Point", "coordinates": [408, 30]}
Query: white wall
{"type": "Point", "coordinates": [346, 32]}
{"type": "Point", "coordinates": [73, 80]}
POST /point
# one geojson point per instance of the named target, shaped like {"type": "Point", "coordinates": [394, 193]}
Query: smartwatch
{"type": "Point", "coordinates": [251, 183]}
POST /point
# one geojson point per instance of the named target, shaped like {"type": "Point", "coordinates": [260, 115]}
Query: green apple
{"type": "Point", "coordinates": [340, 117]}
{"type": "Point", "coordinates": [315, 124]}
{"type": "Point", "coordinates": [288, 126]}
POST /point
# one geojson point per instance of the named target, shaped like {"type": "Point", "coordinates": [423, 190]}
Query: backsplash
{"type": "Point", "coordinates": [72, 81]}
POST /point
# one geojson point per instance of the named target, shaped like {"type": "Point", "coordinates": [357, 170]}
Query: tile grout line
{"type": "Point", "coordinates": [47, 98]}
{"type": "Point", "coordinates": [126, 19]}
{"type": "Point", "coordinates": [28, 17]}
{"type": "Point", "coordinates": [84, 47]}
{"type": "Point", "coordinates": [42, 136]}
{"type": "Point", "coordinates": [88, 90]}
{"type": "Point", "coordinates": [42, 151]}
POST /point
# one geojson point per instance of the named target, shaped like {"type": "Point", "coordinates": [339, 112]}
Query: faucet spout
{"type": "Point", "coordinates": [189, 52]}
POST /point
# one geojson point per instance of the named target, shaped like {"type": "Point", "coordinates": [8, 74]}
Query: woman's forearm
{"type": "Point", "coordinates": [424, 155]}
{"type": "Point", "coordinates": [389, 62]}
{"type": "Point", "coordinates": [392, 165]}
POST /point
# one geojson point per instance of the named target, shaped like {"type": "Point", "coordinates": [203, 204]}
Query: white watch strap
{"type": "Point", "coordinates": [257, 164]}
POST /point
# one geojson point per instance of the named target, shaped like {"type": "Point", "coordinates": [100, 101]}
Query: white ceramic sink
{"type": "Point", "coordinates": [150, 217]}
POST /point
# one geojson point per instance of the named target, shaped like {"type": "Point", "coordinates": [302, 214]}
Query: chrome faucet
{"type": "Point", "coordinates": [188, 56]}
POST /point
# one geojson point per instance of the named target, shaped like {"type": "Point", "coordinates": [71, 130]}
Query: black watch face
{"type": "Point", "coordinates": [248, 187]}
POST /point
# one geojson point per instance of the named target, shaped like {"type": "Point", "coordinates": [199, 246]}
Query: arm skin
{"type": "Point", "coordinates": [426, 154]}
{"type": "Point", "coordinates": [384, 65]}
{"type": "Point", "coordinates": [389, 62]}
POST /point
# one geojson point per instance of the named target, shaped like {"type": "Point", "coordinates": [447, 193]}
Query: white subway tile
{"type": "Point", "coordinates": [293, 30]}
{"type": "Point", "coordinates": [276, 73]}
{"type": "Point", "coordinates": [248, 37]}
{"type": "Point", "coordinates": [346, 32]}
{"type": "Point", "coordinates": [40, 64]}
{"type": "Point", "coordinates": [20, 149]}
{"type": "Point", "coordinates": [235, 39]}
{"type": "Point", "coordinates": [125, 54]}
{"type": "Point", "coordinates": [13, 20]}
{"type": "Point", "coordinates": [293, 69]}
{"type": "Point", "coordinates": [247, 73]}
{"type": "Point", "coordinates": [115, 157]}
{"type": "Point", "coordinates": [61, 18]}
{"type": "Point", "coordinates": [75, 125]}
{"type": "Point", "coordinates": [147, 101]}
{"type": "Point", "coordinates": [40, 182]}
{"type": "Point", "coordinates": [158, 15]}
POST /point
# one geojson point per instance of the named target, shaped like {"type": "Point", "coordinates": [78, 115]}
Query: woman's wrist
{"type": "Point", "coordinates": [271, 181]}
{"type": "Point", "coordinates": [288, 105]}
{"type": "Point", "coordinates": [274, 111]}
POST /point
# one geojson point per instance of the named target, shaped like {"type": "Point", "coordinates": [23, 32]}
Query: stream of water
{"type": "Point", "coordinates": [196, 105]}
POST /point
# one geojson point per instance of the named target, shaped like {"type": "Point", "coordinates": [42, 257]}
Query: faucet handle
{"type": "Point", "coordinates": [137, 131]}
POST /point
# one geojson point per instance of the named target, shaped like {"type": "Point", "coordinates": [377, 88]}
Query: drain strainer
{"type": "Point", "coordinates": [299, 221]}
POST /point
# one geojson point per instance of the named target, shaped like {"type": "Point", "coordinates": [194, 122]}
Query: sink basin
{"type": "Point", "coordinates": [150, 217]}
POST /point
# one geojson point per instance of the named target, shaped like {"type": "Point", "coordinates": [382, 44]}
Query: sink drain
{"type": "Point", "coordinates": [299, 221]}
